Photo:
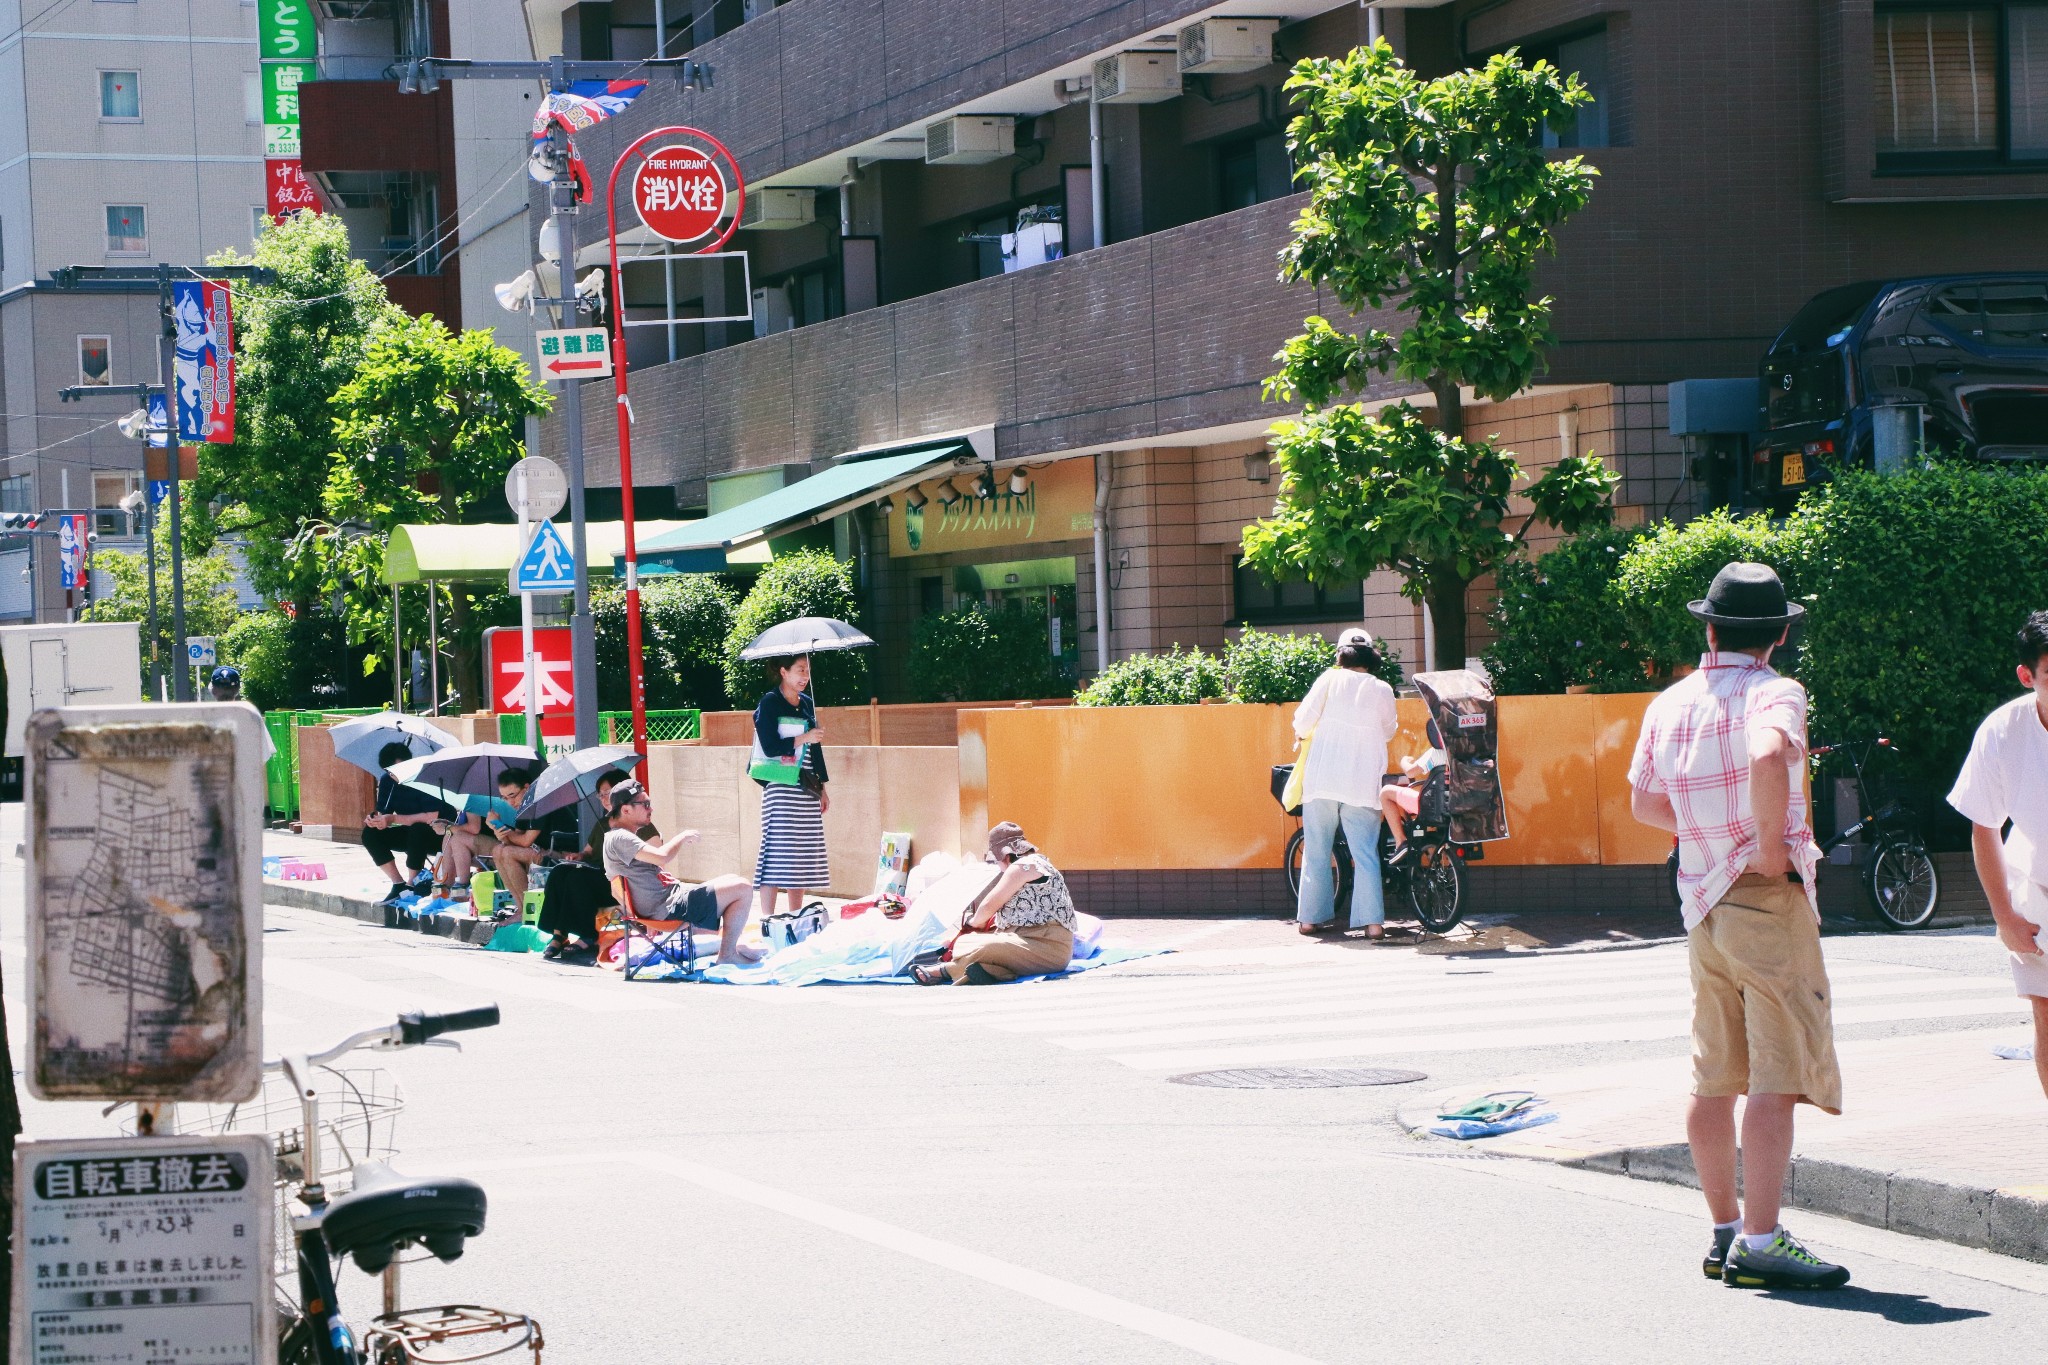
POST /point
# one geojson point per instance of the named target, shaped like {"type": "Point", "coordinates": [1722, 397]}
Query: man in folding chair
{"type": "Point", "coordinates": [721, 903]}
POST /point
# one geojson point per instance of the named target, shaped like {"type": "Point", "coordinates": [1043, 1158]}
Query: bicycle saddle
{"type": "Point", "coordinates": [386, 1210]}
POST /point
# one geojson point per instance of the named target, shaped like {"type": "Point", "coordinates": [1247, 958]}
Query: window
{"type": "Point", "coordinates": [1998, 315]}
{"type": "Point", "coordinates": [252, 97]}
{"type": "Point", "coordinates": [120, 97]}
{"type": "Point", "coordinates": [94, 360]}
{"type": "Point", "coordinates": [259, 219]}
{"type": "Point", "coordinates": [16, 494]}
{"type": "Point", "coordinates": [1253, 172]}
{"type": "Point", "coordinates": [1958, 87]}
{"type": "Point", "coordinates": [1261, 601]}
{"type": "Point", "coordinates": [110, 486]}
{"type": "Point", "coordinates": [1583, 54]}
{"type": "Point", "coordinates": [127, 230]}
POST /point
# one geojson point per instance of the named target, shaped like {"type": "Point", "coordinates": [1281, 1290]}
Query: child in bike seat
{"type": "Point", "coordinates": [1404, 798]}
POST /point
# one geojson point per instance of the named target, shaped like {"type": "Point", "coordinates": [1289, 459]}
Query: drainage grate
{"type": "Point", "coordinates": [1297, 1077]}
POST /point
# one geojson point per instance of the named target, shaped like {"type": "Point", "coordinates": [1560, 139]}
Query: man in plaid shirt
{"type": "Point", "coordinates": [1718, 764]}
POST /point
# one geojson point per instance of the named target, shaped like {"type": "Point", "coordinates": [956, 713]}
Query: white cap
{"type": "Point", "coordinates": [1354, 636]}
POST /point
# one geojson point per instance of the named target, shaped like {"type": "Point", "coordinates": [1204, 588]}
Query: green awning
{"type": "Point", "coordinates": [703, 546]}
{"type": "Point", "coordinates": [479, 553]}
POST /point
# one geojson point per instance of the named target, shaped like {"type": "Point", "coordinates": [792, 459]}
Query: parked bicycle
{"type": "Point", "coordinates": [1432, 881]}
{"type": "Point", "coordinates": [1898, 872]}
{"type": "Point", "coordinates": [381, 1214]}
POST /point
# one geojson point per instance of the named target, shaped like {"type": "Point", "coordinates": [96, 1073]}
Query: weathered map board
{"type": "Point", "coordinates": [145, 902]}
{"type": "Point", "coordinates": [130, 1251]}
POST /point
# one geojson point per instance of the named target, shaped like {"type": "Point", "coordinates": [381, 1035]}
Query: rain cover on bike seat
{"type": "Point", "coordinates": [386, 1210]}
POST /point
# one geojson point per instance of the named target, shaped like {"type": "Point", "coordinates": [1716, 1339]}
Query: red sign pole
{"type": "Point", "coordinates": [635, 664]}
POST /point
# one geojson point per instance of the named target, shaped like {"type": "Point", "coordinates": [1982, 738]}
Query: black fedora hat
{"type": "Point", "coordinates": [1747, 595]}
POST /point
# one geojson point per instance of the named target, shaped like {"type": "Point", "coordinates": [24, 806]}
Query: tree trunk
{"type": "Point", "coordinates": [1447, 615]}
{"type": "Point", "coordinates": [1450, 406]}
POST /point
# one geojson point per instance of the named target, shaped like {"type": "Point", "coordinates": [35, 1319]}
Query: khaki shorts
{"type": "Point", "coordinates": [1761, 1020]}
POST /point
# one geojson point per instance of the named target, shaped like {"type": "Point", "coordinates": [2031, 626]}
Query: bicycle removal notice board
{"type": "Point", "coordinates": [145, 984]}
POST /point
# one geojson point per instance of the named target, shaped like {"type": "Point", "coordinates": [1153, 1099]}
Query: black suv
{"type": "Point", "coordinates": [1869, 374]}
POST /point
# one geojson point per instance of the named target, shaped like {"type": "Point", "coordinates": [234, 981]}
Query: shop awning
{"type": "Point", "coordinates": [703, 546]}
{"type": "Point", "coordinates": [415, 554]}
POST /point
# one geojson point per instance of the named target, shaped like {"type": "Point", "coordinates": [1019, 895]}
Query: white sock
{"type": "Point", "coordinates": [1757, 1241]}
{"type": "Point", "coordinates": [1733, 1226]}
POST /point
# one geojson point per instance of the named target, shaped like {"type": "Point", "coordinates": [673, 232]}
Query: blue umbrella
{"type": "Point", "coordinates": [464, 776]}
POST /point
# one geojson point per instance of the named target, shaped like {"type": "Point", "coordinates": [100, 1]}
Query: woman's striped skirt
{"type": "Point", "coordinates": [792, 840]}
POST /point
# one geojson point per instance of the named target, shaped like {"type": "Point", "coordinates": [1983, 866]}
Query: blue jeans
{"type": "Point", "coordinates": [1317, 903]}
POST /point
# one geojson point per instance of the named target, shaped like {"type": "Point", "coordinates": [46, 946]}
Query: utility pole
{"type": "Point", "coordinates": [107, 279]}
{"type": "Point", "coordinates": [422, 75]}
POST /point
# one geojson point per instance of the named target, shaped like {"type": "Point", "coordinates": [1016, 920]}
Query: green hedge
{"type": "Point", "coordinates": [685, 620]}
{"type": "Point", "coordinates": [1255, 667]}
{"type": "Point", "coordinates": [983, 653]}
{"type": "Point", "coordinates": [804, 583]}
{"type": "Point", "coordinates": [1554, 624]}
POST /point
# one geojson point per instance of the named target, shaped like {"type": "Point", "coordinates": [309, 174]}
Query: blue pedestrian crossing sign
{"type": "Point", "coordinates": [547, 565]}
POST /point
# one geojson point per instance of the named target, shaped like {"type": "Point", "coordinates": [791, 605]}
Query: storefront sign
{"type": "Point", "coordinates": [1058, 503]}
{"type": "Point", "coordinates": [554, 667]}
{"type": "Point", "coordinates": [286, 190]}
{"type": "Point", "coordinates": [143, 1249]}
{"type": "Point", "coordinates": [286, 44]}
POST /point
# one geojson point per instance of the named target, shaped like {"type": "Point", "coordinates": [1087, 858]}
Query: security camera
{"type": "Point", "coordinates": [92, 537]}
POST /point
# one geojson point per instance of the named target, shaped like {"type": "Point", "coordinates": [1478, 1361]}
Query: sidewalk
{"type": "Point", "coordinates": [1937, 1138]}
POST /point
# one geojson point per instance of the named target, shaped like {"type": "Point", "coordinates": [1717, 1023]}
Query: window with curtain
{"type": "Point", "coordinates": [1960, 85]}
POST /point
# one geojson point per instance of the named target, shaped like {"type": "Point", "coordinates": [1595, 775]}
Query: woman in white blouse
{"type": "Point", "coordinates": [1350, 714]}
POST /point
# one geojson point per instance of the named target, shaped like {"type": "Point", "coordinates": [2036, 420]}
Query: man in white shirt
{"type": "Point", "coordinates": [2006, 778]}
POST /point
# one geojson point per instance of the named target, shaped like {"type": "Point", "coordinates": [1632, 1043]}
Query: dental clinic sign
{"type": "Point", "coordinates": [287, 43]}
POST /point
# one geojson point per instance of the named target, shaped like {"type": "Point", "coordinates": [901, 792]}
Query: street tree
{"type": "Point", "coordinates": [211, 606]}
{"type": "Point", "coordinates": [298, 341]}
{"type": "Point", "coordinates": [425, 430]}
{"type": "Point", "coordinates": [1431, 200]}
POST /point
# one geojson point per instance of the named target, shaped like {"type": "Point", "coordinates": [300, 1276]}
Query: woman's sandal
{"type": "Point", "coordinates": [930, 976]}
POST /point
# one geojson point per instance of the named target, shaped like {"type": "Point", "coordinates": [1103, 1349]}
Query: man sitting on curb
{"type": "Point", "coordinates": [497, 834]}
{"type": "Point", "coordinates": [1717, 765]}
{"type": "Point", "coordinates": [2006, 778]}
{"type": "Point", "coordinates": [720, 903]}
{"type": "Point", "coordinates": [406, 820]}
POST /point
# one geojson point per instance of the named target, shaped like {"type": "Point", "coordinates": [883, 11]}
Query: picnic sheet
{"type": "Point", "coordinates": [871, 950]}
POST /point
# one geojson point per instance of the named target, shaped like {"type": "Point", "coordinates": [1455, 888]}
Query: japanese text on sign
{"type": "Point", "coordinates": [679, 193]}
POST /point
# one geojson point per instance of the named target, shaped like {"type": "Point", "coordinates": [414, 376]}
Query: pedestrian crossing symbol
{"type": "Point", "coordinates": [547, 565]}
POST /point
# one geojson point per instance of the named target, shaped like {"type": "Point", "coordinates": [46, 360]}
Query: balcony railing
{"type": "Point", "coordinates": [354, 66]}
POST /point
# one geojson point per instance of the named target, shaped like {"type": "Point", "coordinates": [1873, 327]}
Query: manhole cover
{"type": "Point", "coordinates": [1297, 1077]}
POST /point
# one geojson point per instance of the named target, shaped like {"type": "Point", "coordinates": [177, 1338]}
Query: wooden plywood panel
{"type": "Point", "coordinates": [1623, 839]}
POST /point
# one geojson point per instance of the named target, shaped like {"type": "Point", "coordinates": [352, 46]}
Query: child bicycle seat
{"type": "Point", "coordinates": [386, 1210]}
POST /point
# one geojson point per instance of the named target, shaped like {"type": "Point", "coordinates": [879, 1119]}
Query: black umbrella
{"type": "Point", "coordinates": [573, 777]}
{"type": "Point", "coordinates": [805, 635]}
{"type": "Point", "coordinates": [467, 771]}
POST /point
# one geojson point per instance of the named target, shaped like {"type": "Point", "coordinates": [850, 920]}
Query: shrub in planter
{"type": "Point", "coordinates": [1262, 667]}
{"type": "Point", "coordinates": [1923, 580]}
{"type": "Point", "coordinates": [1674, 565]}
{"type": "Point", "coordinates": [1557, 622]}
{"type": "Point", "coordinates": [985, 654]}
{"type": "Point", "coordinates": [1176, 678]}
{"type": "Point", "coordinates": [684, 622]}
{"type": "Point", "coordinates": [805, 583]}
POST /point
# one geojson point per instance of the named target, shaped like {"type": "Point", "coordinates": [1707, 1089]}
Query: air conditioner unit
{"type": "Point", "coordinates": [771, 310]}
{"type": "Point", "coordinates": [1216, 46]}
{"type": "Point", "coordinates": [1136, 78]}
{"type": "Point", "coordinates": [773, 209]}
{"type": "Point", "coordinates": [970, 139]}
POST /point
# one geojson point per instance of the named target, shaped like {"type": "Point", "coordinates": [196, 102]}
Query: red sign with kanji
{"type": "Point", "coordinates": [552, 665]}
{"type": "Point", "coordinates": [679, 193]}
{"type": "Point", "coordinates": [287, 191]}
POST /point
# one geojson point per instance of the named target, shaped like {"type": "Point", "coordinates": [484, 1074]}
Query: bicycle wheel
{"type": "Point", "coordinates": [1902, 883]}
{"type": "Point", "coordinates": [298, 1345]}
{"type": "Point", "coordinates": [1436, 887]}
{"type": "Point", "coordinates": [1340, 868]}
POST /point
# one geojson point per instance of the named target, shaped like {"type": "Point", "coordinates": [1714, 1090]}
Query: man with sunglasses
{"type": "Point", "coordinates": [642, 867]}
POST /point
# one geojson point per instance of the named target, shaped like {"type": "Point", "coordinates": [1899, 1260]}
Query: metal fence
{"type": "Point", "coordinates": [616, 727]}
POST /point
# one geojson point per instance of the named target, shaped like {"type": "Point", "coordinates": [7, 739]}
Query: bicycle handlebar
{"type": "Point", "coordinates": [420, 1025]}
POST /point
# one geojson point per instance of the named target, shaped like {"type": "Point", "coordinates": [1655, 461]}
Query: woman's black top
{"type": "Point", "coordinates": [395, 798]}
{"type": "Point", "coordinates": [768, 717]}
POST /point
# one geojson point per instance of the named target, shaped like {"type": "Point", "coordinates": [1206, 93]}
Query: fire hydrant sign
{"type": "Point", "coordinates": [679, 193]}
{"type": "Point", "coordinates": [132, 1250]}
{"type": "Point", "coordinates": [574, 353]}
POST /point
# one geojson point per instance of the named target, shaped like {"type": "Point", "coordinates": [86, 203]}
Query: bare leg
{"type": "Point", "coordinates": [390, 871]}
{"type": "Point", "coordinates": [733, 895]}
{"type": "Point", "coordinates": [764, 901]}
{"type": "Point", "coordinates": [2041, 1041]}
{"type": "Point", "coordinates": [1766, 1152]}
{"type": "Point", "coordinates": [796, 898]}
{"type": "Point", "coordinates": [1391, 812]}
{"type": "Point", "coordinates": [1710, 1128]}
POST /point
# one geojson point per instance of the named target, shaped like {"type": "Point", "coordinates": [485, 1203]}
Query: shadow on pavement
{"type": "Point", "coordinates": [1910, 1309]}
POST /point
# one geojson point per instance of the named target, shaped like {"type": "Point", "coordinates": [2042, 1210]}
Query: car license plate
{"type": "Point", "coordinates": [1794, 471]}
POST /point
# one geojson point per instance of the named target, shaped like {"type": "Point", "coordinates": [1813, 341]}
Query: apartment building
{"type": "Point", "coordinates": [130, 133]}
{"type": "Point", "coordinates": [905, 159]}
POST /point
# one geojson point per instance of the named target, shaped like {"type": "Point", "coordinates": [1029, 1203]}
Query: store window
{"type": "Point", "coordinates": [1261, 601]}
{"type": "Point", "coordinates": [1960, 86]}
{"type": "Point", "coordinates": [120, 97]}
{"type": "Point", "coordinates": [95, 365]}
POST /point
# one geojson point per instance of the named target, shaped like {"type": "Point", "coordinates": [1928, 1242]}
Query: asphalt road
{"type": "Point", "coordinates": [714, 1174]}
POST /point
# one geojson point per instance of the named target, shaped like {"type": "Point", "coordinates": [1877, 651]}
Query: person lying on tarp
{"type": "Point", "coordinates": [1021, 926]}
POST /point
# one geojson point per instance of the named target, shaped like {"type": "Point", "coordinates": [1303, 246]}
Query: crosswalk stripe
{"type": "Point", "coordinates": [1336, 1000]}
{"type": "Point", "coordinates": [1497, 1012]}
{"type": "Point", "coordinates": [1380, 1044]}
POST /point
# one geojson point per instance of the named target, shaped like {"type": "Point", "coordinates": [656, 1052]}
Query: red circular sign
{"type": "Point", "coordinates": [679, 193]}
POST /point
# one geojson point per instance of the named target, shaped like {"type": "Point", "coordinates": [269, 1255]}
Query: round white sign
{"type": "Point", "coordinates": [536, 488]}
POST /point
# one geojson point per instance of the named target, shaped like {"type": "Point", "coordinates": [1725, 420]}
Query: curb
{"type": "Point", "coordinates": [301, 897]}
{"type": "Point", "coordinates": [1946, 1206]}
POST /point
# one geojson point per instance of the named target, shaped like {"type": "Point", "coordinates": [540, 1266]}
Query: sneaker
{"type": "Point", "coordinates": [1401, 855]}
{"type": "Point", "coordinates": [1718, 1252]}
{"type": "Point", "coordinates": [423, 881]}
{"type": "Point", "coordinates": [1784, 1264]}
{"type": "Point", "coordinates": [392, 896]}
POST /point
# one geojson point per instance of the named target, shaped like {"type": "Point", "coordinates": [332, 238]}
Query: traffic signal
{"type": "Point", "coordinates": [20, 521]}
